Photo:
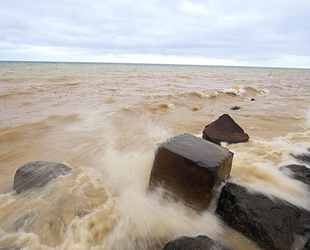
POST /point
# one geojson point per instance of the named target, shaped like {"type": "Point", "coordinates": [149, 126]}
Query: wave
{"type": "Point", "coordinates": [14, 133]}
{"type": "Point", "coordinates": [240, 91]}
{"type": "Point", "coordinates": [169, 105]}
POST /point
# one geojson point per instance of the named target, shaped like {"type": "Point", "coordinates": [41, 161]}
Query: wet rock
{"type": "Point", "coordinates": [28, 218]}
{"type": "Point", "coordinates": [269, 223]}
{"type": "Point", "coordinates": [235, 107]}
{"type": "Point", "coordinates": [303, 158]}
{"type": "Point", "coordinates": [301, 173]}
{"type": "Point", "coordinates": [307, 246]}
{"type": "Point", "coordinates": [224, 129]}
{"type": "Point", "coordinates": [200, 242]}
{"type": "Point", "coordinates": [190, 169]}
{"type": "Point", "coordinates": [37, 174]}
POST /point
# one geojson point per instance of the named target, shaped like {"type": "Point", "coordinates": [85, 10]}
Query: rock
{"type": "Point", "coordinates": [190, 169]}
{"type": "Point", "coordinates": [200, 242]}
{"type": "Point", "coordinates": [307, 246]}
{"type": "Point", "coordinates": [37, 174]}
{"type": "Point", "coordinates": [301, 173]}
{"type": "Point", "coordinates": [304, 158]}
{"type": "Point", "coordinates": [252, 99]}
{"type": "Point", "coordinates": [224, 129]}
{"type": "Point", "coordinates": [28, 218]}
{"type": "Point", "coordinates": [269, 223]}
{"type": "Point", "coordinates": [235, 107]}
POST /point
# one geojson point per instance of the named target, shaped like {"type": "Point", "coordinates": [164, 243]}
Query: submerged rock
{"type": "Point", "coordinates": [200, 242]}
{"type": "Point", "coordinates": [37, 174]}
{"type": "Point", "coordinates": [269, 223]}
{"type": "Point", "coordinates": [224, 129]}
{"type": "Point", "coordinates": [190, 169]}
{"type": "Point", "coordinates": [28, 218]}
{"type": "Point", "coordinates": [235, 108]}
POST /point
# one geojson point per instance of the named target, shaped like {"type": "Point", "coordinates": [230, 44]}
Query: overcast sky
{"type": "Point", "coordinates": [212, 32]}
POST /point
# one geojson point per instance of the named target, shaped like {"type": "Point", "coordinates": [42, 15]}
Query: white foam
{"type": "Point", "coordinates": [256, 166]}
{"type": "Point", "coordinates": [239, 90]}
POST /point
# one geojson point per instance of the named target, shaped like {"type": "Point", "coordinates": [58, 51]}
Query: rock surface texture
{"type": "Point", "coordinates": [224, 129]}
{"type": "Point", "coordinates": [200, 242]}
{"type": "Point", "coordinates": [37, 174]}
{"type": "Point", "coordinates": [301, 173]}
{"type": "Point", "coordinates": [269, 223]}
{"type": "Point", "coordinates": [307, 246]}
{"type": "Point", "coordinates": [190, 169]}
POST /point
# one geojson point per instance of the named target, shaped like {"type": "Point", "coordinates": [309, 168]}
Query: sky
{"type": "Point", "coordinates": [270, 33]}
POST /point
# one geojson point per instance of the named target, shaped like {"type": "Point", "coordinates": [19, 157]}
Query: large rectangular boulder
{"type": "Point", "coordinates": [190, 169]}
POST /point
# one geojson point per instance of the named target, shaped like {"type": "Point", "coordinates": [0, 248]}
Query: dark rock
{"type": "Point", "coordinates": [252, 99]}
{"type": "Point", "coordinates": [200, 242]}
{"type": "Point", "coordinates": [37, 174]}
{"type": "Point", "coordinates": [307, 246]}
{"type": "Point", "coordinates": [235, 107]}
{"type": "Point", "coordinates": [224, 129]}
{"type": "Point", "coordinates": [190, 169]}
{"type": "Point", "coordinates": [304, 158]}
{"type": "Point", "coordinates": [301, 173]}
{"type": "Point", "coordinates": [269, 223]}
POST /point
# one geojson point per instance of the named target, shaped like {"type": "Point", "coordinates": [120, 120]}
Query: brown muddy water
{"type": "Point", "coordinates": [104, 121]}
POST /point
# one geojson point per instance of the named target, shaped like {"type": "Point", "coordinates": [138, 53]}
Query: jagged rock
{"type": "Point", "coordinates": [269, 223]}
{"type": "Point", "coordinates": [190, 169]}
{"type": "Point", "coordinates": [224, 129]}
{"type": "Point", "coordinates": [301, 173]}
{"type": "Point", "coordinates": [200, 242]}
{"type": "Point", "coordinates": [37, 174]}
{"type": "Point", "coordinates": [235, 108]}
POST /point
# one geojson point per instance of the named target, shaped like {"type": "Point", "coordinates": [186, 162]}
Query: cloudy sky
{"type": "Point", "coordinates": [211, 32]}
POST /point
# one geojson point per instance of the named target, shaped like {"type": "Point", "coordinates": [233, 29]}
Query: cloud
{"type": "Point", "coordinates": [258, 32]}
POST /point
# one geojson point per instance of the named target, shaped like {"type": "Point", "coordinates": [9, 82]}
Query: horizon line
{"type": "Point", "coordinates": [152, 64]}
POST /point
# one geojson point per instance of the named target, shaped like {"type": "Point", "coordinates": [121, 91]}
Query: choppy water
{"type": "Point", "coordinates": [104, 121]}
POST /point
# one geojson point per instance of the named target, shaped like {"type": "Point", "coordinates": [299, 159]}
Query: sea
{"type": "Point", "coordinates": [105, 122]}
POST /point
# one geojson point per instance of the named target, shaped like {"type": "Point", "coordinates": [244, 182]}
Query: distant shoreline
{"type": "Point", "coordinates": [148, 64]}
